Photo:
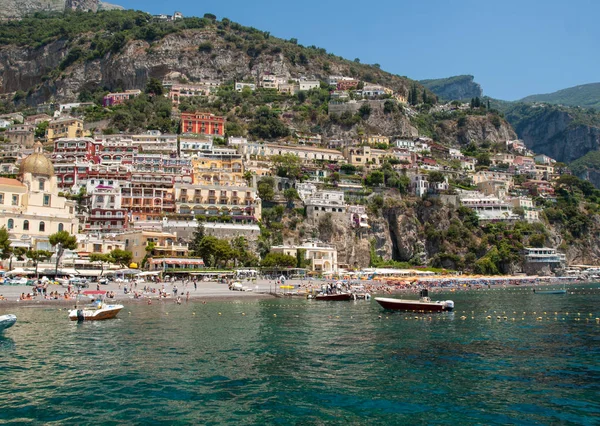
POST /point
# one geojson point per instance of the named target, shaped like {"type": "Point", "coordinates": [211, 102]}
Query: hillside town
{"type": "Point", "coordinates": [147, 194]}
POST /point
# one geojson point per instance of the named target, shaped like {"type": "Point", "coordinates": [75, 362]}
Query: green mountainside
{"type": "Point", "coordinates": [586, 95]}
{"type": "Point", "coordinates": [454, 88]}
{"type": "Point", "coordinates": [57, 55]}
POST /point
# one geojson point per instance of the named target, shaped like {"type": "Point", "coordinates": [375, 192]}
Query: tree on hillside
{"type": "Point", "coordinates": [436, 177]}
{"type": "Point", "coordinates": [267, 125]}
{"type": "Point", "coordinates": [365, 111]}
{"type": "Point", "coordinates": [291, 195]}
{"type": "Point", "coordinates": [375, 178]}
{"type": "Point", "coordinates": [154, 87]}
{"type": "Point", "coordinates": [266, 188]}
{"type": "Point", "coordinates": [38, 256]}
{"type": "Point", "coordinates": [62, 241]}
{"type": "Point", "coordinates": [287, 165]}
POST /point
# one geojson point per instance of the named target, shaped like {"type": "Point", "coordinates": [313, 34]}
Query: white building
{"type": "Point", "coordinates": [31, 208]}
{"type": "Point", "coordinates": [309, 84]}
{"type": "Point", "coordinates": [490, 208]}
{"type": "Point", "coordinates": [323, 257]}
{"type": "Point", "coordinates": [322, 202]}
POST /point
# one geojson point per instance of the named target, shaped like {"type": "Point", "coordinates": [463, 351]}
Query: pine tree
{"type": "Point", "coordinates": [415, 95]}
{"type": "Point", "coordinates": [410, 99]}
{"type": "Point", "coordinates": [425, 96]}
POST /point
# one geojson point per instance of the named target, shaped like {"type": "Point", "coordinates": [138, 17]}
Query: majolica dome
{"type": "Point", "coordinates": [37, 163]}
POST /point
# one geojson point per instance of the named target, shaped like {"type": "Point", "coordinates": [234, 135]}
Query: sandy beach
{"type": "Point", "coordinates": [214, 291]}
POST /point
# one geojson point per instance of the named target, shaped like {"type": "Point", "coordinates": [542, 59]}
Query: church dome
{"type": "Point", "coordinates": [37, 163]}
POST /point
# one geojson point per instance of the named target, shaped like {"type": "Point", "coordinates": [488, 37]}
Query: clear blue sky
{"type": "Point", "coordinates": [514, 48]}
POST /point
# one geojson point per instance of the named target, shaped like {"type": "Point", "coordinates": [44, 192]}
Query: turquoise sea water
{"type": "Point", "coordinates": [290, 361]}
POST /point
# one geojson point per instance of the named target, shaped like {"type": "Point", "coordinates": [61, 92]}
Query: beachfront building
{"type": "Point", "coordinates": [322, 257]}
{"type": "Point", "coordinates": [31, 208]}
{"type": "Point", "coordinates": [163, 244]}
{"type": "Point", "coordinates": [542, 261]}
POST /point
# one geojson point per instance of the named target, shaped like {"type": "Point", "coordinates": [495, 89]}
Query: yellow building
{"type": "Point", "coordinates": [165, 244]}
{"type": "Point", "coordinates": [365, 156]}
{"type": "Point", "coordinates": [66, 127]}
{"type": "Point", "coordinates": [30, 208]}
{"type": "Point", "coordinates": [225, 169]}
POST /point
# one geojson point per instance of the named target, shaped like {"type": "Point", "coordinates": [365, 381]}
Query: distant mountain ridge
{"type": "Point", "coordinates": [585, 95]}
{"type": "Point", "coordinates": [459, 87]}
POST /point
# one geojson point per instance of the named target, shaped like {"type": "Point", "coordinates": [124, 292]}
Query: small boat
{"type": "Point", "coordinates": [423, 304]}
{"type": "Point", "coordinates": [7, 321]}
{"type": "Point", "coordinates": [96, 310]}
{"type": "Point", "coordinates": [332, 296]}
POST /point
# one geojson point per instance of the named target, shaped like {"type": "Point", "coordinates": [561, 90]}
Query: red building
{"type": "Point", "coordinates": [202, 123]}
{"type": "Point", "coordinates": [75, 150]}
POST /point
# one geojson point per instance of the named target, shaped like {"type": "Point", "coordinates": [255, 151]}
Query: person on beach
{"type": "Point", "coordinates": [187, 296]}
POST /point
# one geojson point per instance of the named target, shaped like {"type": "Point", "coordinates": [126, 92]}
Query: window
{"type": "Point", "coordinates": [41, 184]}
{"type": "Point", "coordinates": [1, 198]}
{"type": "Point", "coordinates": [46, 199]}
{"type": "Point", "coordinates": [11, 223]}
{"type": "Point", "coordinates": [42, 227]}
{"type": "Point", "coordinates": [26, 225]}
{"type": "Point", "coordinates": [15, 200]}
{"type": "Point", "coordinates": [61, 227]}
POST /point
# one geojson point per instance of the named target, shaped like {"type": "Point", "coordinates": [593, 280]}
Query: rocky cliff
{"type": "Point", "coordinates": [13, 9]}
{"type": "Point", "coordinates": [476, 129]}
{"type": "Point", "coordinates": [564, 134]}
{"type": "Point", "coordinates": [145, 49]}
{"type": "Point", "coordinates": [454, 88]}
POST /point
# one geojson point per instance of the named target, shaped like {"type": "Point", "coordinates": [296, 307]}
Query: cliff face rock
{"type": "Point", "coordinates": [14, 9]}
{"type": "Point", "coordinates": [553, 131]}
{"type": "Point", "coordinates": [454, 88]}
{"type": "Point", "coordinates": [131, 68]}
{"type": "Point", "coordinates": [475, 129]}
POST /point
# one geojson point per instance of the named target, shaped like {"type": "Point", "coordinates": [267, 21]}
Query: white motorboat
{"type": "Point", "coordinates": [424, 304]}
{"type": "Point", "coordinates": [96, 310]}
{"type": "Point", "coordinates": [7, 321]}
